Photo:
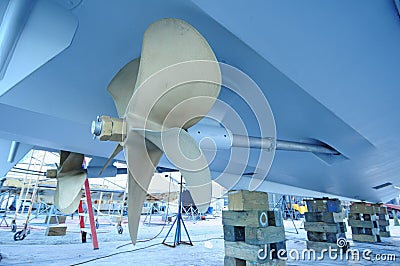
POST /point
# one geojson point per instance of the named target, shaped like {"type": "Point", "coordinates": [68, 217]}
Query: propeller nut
{"type": "Point", "coordinates": [97, 126]}
{"type": "Point", "coordinates": [109, 128]}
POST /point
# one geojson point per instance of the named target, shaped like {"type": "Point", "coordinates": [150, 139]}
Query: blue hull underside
{"type": "Point", "coordinates": [329, 70]}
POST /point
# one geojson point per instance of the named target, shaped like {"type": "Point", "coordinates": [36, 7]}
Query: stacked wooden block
{"type": "Point", "coordinates": [251, 232]}
{"type": "Point", "coordinates": [55, 220]}
{"type": "Point", "coordinates": [56, 225]}
{"type": "Point", "coordinates": [324, 225]}
{"type": "Point", "coordinates": [383, 220]}
{"type": "Point", "coordinates": [363, 220]}
{"type": "Point", "coordinates": [56, 230]}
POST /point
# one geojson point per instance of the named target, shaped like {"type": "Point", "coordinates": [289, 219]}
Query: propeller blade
{"type": "Point", "coordinates": [179, 77]}
{"type": "Point", "coordinates": [68, 192]}
{"type": "Point", "coordinates": [142, 159]}
{"type": "Point", "coordinates": [183, 151]}
{"type": "Point", "coordinates": [117, 150]}
{"type": "Point", "coordinates": [71, 162]}
{"type": "Point", "coordinates": [63, 156]}
{"type": "Point", "coordinates": [70, 179]}
{"type": "Point", "coordinates": [177, 84]}
{"type": "Point", "coordinates": [122, 85]}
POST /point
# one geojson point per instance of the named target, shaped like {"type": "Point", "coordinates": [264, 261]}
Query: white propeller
{"type": "Point", "coordinates": [70, 179]}
{"type": "Point", "coordinates": [173, 85]}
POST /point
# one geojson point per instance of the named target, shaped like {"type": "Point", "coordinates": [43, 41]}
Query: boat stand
{"type": "Point", "coordinates": [179, 223]}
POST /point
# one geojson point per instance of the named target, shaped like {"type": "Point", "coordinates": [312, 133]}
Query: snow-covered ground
{"type": "Point", "coordinates": [207, 237]}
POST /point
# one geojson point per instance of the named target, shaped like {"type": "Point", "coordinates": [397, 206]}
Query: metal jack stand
{"type": "Point", "coordinates": [285, 208]}
{"type": "Point", "coordinates": [178, 221]}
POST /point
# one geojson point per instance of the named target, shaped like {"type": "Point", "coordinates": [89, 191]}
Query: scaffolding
{"type": "Point", "coordinates": [5, 205]}
{"type": "Point", "coordinates": [31, 177]}
{"type": "Point", "coordinates": [116, 209]}
{"type": "Point", "coordinates": [20, 235]}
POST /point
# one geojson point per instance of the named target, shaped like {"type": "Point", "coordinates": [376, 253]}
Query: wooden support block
{"type": "Point", "coordinates": [244, 251]}
{"type": "Point", "coordinates": [324, 205]}
{"type": "Point", "coordinates": [327, 217]}
{"type": "Point", "coordinates": [250, 253]}
{"type": "Point", "coordinates": [53, 220]}
{"type": "Point", "coordinates": [383, 216]}
{"type": "Point", "coordinates": [243, 200]}
{"type": "Point", "coordinates": [325, 227]}
{"type": "Point", "coordinates": [319, 246]}
{"type": "Point", "coordinates": [364, 224]}
{"type": "Point", "coordinates": [384, 234]}
{"type": "Point", "coordinates": [363, 217]}
{"type": "Point", "coordinates": [274, 218]}
{"type": "Point", "coordinates": [354, 216]}
{"type": "Point", "coordinates": [364, 231]}
{"type": "Point", "coordinates": [276, 247]}
{"type": "Point", "coordinates": [380, 209]}
{"type": "Point", "coordinates": [274, 262]}
{"type": "Point", "coordinates": [333, 238]}
{"type": "Point", "coordinates": [359, 207]}
{"type": "Point", "coordinates": [264, 235]}
{"type": "Point", "coordinates": [252, 218]}
{"type": "Point", "coordinates": [234, 233]}
{"type": "Point", "coordinates": [325, 237]}
{"type": "Point", "coordinates": [383, 210]}
{"type": "Point", "coordinates": [384, 228]}
{"type": "Point", "coordinates": [316, 236]}
{"type": "Point", "coordinates": [247, 218]}
{"type": "Point", "coordinates": [231, 261]}
{"type": "Point", "coordinates": [56, 230]}
{"type": "Point", "coordinates": [369, 217]}
{"type": "Point", "coordinates": [366, 238]}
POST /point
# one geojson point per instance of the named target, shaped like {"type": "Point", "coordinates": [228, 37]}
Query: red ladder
{"type": "Point", "coordinates": [91, 217]}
